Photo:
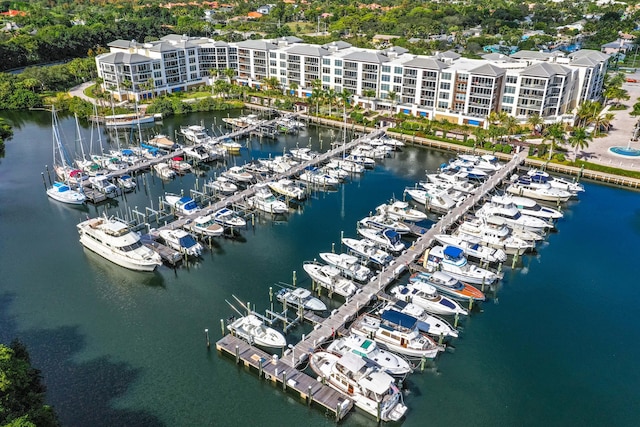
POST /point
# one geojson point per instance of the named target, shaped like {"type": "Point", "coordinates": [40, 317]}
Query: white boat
{"type": "Point", "coordinates": [384, 222]}
{"type": "Point", "coordinates": [367, 162]}
{"type": "Point", "coordinates": [179, 165]}
{"type": "Point", "coordinates": [204, 225]}
{"type": "Point", "coordinates": [229, 218]}
{"type": "Point", "coordinates": [103, 184]}
{"type": "Point", "coordinates": [511, 216]}
{"type": "Point", "coordinates": [253, 330]}
{"type": "Point", "coordinates": [315, 176]}
{"type": "Point", "coordinates": [472, 247]}
{"type": "Point", "coordinates": [329, 277]}
{"type": "Point", "coordinates": [198, 153]}
{"type": "Point", "coordinates": [500, 237]}
{"type": "Point", "coordinates": [181, 241]}
{"type": "Point", "coordinates": [537, 175]}
{"type": "Point", "coordinates": [401, 211]}
{"type": "Point", "coordinates": [428, 323]}
{"type": "Point", "coordinates": [222, 185]}
{"type": "Point", "coordinates": [371, 389]}
{"type": "Point", "coordinates": [452, 261]}
{"type": "Point", "coordinates": [449, 285]}
{"type": "Point", "coordinates": [181, 205]}
{"type": "Point", "coordinates": [238, 174]}
{"type": "Point", "coordinates": [231, 146]}
{"type": "Point", "coordinates": [288, 189]}
{"type": "Point", "coordinates": [128, 120]}
{"type": "Point", "coordinates": [527, 206]}
{"type": "Point", "coordinates": [164, 171]}
{"type": "Point", "coordinates": [163, 142]}
{"type": "Point", "coordinates": [348, 265]}
{"type": "Point", "coordinates": [333, 169]}
{"type": "Point", "coordinates": [366, 150]}
{"type": "Point", "coordinates": [63, 193]}
{"type": "Point", "coordinates": [485, 162]}
{"type": "Point", "coordinates": [438, 201]}
{"type": "Point", "coordinates": [397, 332]}
{"type": "Point", "coordinates": [369, 350]}
{"type": "Point", "coordinates": [471, 171]}
{"type": "Point", "coordinates": [264, 200]}
{"type": "Point", "coordinates": [523, 186]}
{"type": "Point", "coordinates": [196, 134]}
{"type": "Point", "coordinates": [279, 164]}
{"type": "Point", "coordinates": [300, 297]}
{"type": "Point", "coordinates": [349, 166]}
{"type": "Point", "coordinates": [426, 296]}
{"type": "Point", "coordinates": [368, 250]}
{"type": "Point", "coordinates": [114, 241]}
{"type": "Point", "coordinates": [386, 239]}
{"type": "Point", "coordinates": [304, 154]}
{"type": "Point", "coordinates": [126, 183]}
{"type": "Point", "coordinates": [386, 140]}
{"type": "Point", "coordinates": [458, 180]}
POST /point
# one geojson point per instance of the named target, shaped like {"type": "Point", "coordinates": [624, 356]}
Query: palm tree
{"type": "Point", "coordinates": [511, 125]}
{"type": "Point", "coordinates": [602, 122]}
{"type": "Point", "coordinates": [293, 86]}
{"type": "Point", "coordinates": [345, 98]}
{"type": "Point", "coordinates": [230, 74]}
{"type": "Point", "coordinates": [331, 97]}
{"type": "Point", "coordinates": [587, 111]}
{"type": "Point", "coordinates": [536, 122]}
{"type": "Point", "coordinates": [555, 135]}
{"type": "Point", "coordinates": [392, 97]}
{"type": "Point", "coordinates": [316, 96]}
{"type": "Point", "coordinates": [213, 73]}
{"type": "Point", "coordinates": [579, 139]}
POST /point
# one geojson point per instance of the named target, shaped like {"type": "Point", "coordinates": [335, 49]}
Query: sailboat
{"type": "Point", "coordinates": [61, 160]}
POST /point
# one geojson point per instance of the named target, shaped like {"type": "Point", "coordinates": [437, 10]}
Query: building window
{"type": "Point", "coordinates": [384, 87]}
{"type": "Point", "coordinates": [507, 99]}
{"type": "Point", "coordinates": [445, 85]}
{"type": "Point", "coordinates": [397, 79]}
{"type": "Point", "coordinates": [446, 76]}
{"type": "Point", "coordinates": [326, 61]}
{"type": "Point", "coordinates": [338, 63]}
{"type": "Point", "coordinates": [326, 79]}
{"type": "Point", "coordinates": [397, 70]}
{"type": "Point", "coordinates": [443, 104]}
{"type": "Point", "coordinates": [386, 78]}
{"type": "Point", "coordinates": [509, 89]}
{"type": "Point", "coordinates": [386, 69]}
{"type": "Point", "coordinates": [338, 71]}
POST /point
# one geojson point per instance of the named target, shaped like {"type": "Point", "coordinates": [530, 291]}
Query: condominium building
{"type": "Point", "coordinates": [441, 86]}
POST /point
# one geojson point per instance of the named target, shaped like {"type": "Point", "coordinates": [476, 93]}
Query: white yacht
{"type": "Point", "coordinates": [300, 297]}
{"type": "Point", "coordinates": [63, 193]}
{"type": "Point", "coordinates": [472, 247]}
{"type": "Point", "coordinates": [485, 162]}
{"type": "Point", "coordinates": [329, 277]}
{"type": "Point", "coordinates": [500, 237]}
{"type": "Point", "coordinates": [253, 330]}
{"type": "Point", "coordinates": [229, 218]}
{"type": "Point", "coordinates": [439, 201]}
{"type": "Point", "coordinates": [264, 200]}
{"type": "Point", "coordinates": [428, 323]}
{"type": "Point", "coordinates": [316, 177]}
{"type": "Point", "coordinates": [181, 241]}
{"type": "Point", "coordinates": [303, 154]}
{"type": "Point", "coordinates": [369, 350]}
{"type": "Point", "coordinates": [334, 170]}
{"type": "Point", "coordinates": [527, 206]}
{"type": "Point", "coordinates": [449, 285]}
{"type": "Point", "coordinates": [386, 239]}
{"type": "Point", "coordinates": [238, 174]}
{"type": "Point", "coordinates": [126, 183]}
{"type": "Point", "coordinates": [196, 134]}
{"type": "Point", "coordinates": [350, 166]}
{"type": "Point", "coordinates": [510, 215]}
{"type": "Point", "coordinates": [204, 225]}
{"type": "Point", "coordinates": [537, 175]}
{"type": "Point", "coordinates": [181, 205]}
{"type": "Point", "coordinates": [524, 186]}
{"type": "Point", "coordinates": [198, 153]}
{"type": "Point", "coordinates": [103, 184]}
{"type": "Point", "coordinates": [113, 240]}
{"type": "Point", "coordinates": [368, 250]}
{"type": "Point", "coordinates": [371, 389]}
{"type": "Point", "coordinates": [164, 171]}
{"type": "Point", "coordinates": [456, 179]}
{"type": "Point", "coordinates": [426, 296]}
{"type": "Point", "coordinates": [384, 222]}
{"type": "Point", "coordinates": [401, 211]}
{"type": "Point", "coordinates": [348, 265]}
{"type": "Point", "coordinates": [451, 260]}
{"type": "Point", "coordinates": [222, 185]}
{"type": "Point", "coordinates": [288, 189]}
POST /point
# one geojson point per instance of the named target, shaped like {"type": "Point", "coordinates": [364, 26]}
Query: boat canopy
{"type": "Point", "coordinates": [352, 362]}
{"type": "Point", "coordinates": [398, 318]}
{"type": "Point", "coordinates": [453, 252]}
{"type": "Point", "coordinates": [127, 152]}
{"type": "Point", "coordinates": [392, 236]}
{"type": "Point", "coordinates": [187, 241]}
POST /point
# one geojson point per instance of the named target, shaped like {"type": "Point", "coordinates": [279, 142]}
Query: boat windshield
{"type": "Point", "coordinates": [131, 247]}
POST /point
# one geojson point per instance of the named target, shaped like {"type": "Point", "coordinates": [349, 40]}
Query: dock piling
{"type": "Point", "coordinates": [206, 333]}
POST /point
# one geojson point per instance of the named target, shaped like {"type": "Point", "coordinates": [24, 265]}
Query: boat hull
{"type": "Point", "coordinates": [116, 258]}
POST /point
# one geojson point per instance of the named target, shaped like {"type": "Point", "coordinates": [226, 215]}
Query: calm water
{"type": "Point", "coordinates": [557, 346]}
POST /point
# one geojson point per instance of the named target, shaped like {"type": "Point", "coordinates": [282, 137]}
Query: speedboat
{"type": "Point", "coordinates": [449, 285]}
{"type": "Point", "coordinates": [182, 205]}
{"type": "Point", "coordinates": [472, 247]}
{"type": "Point", "coordinates": [314, 176]}
{"type": "Point", "coordinates": [383, 222]}
{"type": "Point", "coordinates": [238, 174]}
{"type": "Point", "coordinates": [303, 154]}
{"type": "Point", "coordinates": [287, 188]}
{"type": "Point", "coordinates": [198, 153]}
{"type": "Point", "coordinates": [500, 237]}
{"type": "Point", "coordinates": [367, 162]}
{"type": "Point", "coordinates": [164, 171]}
{"type": "Point", "coordinates": [401, 211]}
{"type": "Point", "coordinates": [368, 250]}
{"type": "Point", "coordinates": [426, 296]}
{"type": "Point", "coordinates": [113, 240]}
{"type": "Point", "coordinates": [386, 239]}
{"type": "Point", "coordinates": [329, 277]}
{"type": "Point", "coordinates": [300, 297]}
{"type": "Point", "coordinates": [253, 330]}
{"type": "Point", "coordinates": [205, 225]}
{"type": "Point", "coordinates": [438, 200]}
{"type": "Point", "coordinates": [371, 389]}
{"type": "Point", "coordinates": [509, 215]}
{"type": "Point", "coordinates": [452, 261]}
{"type": "Point", "coordinates": [179, 165]}
{"type": "Point", "coordinates": [527, 206]}
{"type": "Point", "coordinates": [231, 146]}
{"type": "Point", "coordinates": [397, 332]}
{"type": "Point", "coordinates": [181, 241]}
{"type": "Point", "coordinates": [348, 265]}
{"type": "Point", "coordinates": [369, 350]}
{"type": "Point", "coordinates": [103, 184]}
{"type": "Point", "coordinates": [222, 185]}
{"type": "Point", "coordinates": [229, 218]}
{"type": "Point", "coordinates": [63, 193]}
{"type": "Point", "coordinates": [264, 200]}
{"type": "Point", "coordinates": [537, 175]}
{"type": "Point", "coordinates": [350, 166]}
{"type": "Point", "coordinates": [428, 323]}
{"type": "Point", "coordinates": [126, 182]}
{"type": "Point", "coordinates": [456, 179]}
{"type": "Point", "coordinates": [523, 186]}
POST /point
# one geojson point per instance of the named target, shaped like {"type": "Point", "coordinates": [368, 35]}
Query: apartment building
{"type": "Point", "coordinates": [442, 86]}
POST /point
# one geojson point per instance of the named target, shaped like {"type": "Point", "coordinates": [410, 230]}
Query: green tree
{"type": "Point", "coordinates": [579, 139]}
{"type": "Point", "coordinates": [536, 122]}
{"type": "Point", "coordinates": [555, 134]}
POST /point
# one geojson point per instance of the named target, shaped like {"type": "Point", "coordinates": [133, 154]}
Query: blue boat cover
{"type": "Point", "coordinates": [127, 152]}
{"type": "Point", "coordinates": [184, 200]}
{"type": "Point", "coordinates": [397, 318]}
{"type": "Point", "coordinates": [392, 236]}
{"type": "Point", "coordinates": [453, 251]}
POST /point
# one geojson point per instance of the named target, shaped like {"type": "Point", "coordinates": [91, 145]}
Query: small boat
{"type": "Point", "coordinates": [527, 206]}
{"type": "Point", "coordinates": [451, 260]}
{"type": "Point", "coordinates": [304, 154]}
{"type": "Point", "coordinates": [181, 241]}
{"type": "Point", "coordinates": [222, 185]}
{"type": "Point", "coordinates": [238, 174]}
{"type": "Point", "coordinates": [253, 330]}
{"type": "Point", "coordinates": [397, 332]}
{"type": "Point", "coordinates": [126, 183]}
{"type": "Point", "coordinates": [472, 247]}
{"type": "Point", "coordinates": [264, 200]}
{"type": "Point", "coordinates": [163, 142]}
{"type": "Point", "coordinates": [63, 193]}
{"type": "Point", "coordinates": [205, 226]}
{"type": "Point", "coordinates": [231, 146]}
{"type": "Point", "coordinates": [300, 297]}
{"type": "Point", "coordinates": [198, 153]}
{"type": "Point", "coordinates": [128, 120]}
{"type": "Point", "coordinates": [349, 166]}
{"type": "Point", "coordinates": [523, 186]}
{"type": "Point", "coordinates": [428, 323]}
{"type": "Point", "coordinates": [449, 285]}
{"type": "Point", "coordinates": [510, 215]}
{"type": "Point", "coordinates": [182, 205]}
{"type": "Point", "coordinates": [164, 171]}
{"type": "Point", "coordinates": [329, 277]}
{"type": "Point", "coordinates": [438, 200]}
{"type": "Point", "coordinates": [369, 350]}
{"type": "Point", "coordinates": [103, 184]}
{"type": "Point", "coordinates": [368, 250]}
{"type": "Point", "coordinates": [401, 211]}
{"type": "Point", "coordinates": [348, 265]}
{"type": "Point", "coordinates": [386, 239]}
{"type": "Point", "coordinates": [366, 162]}
{"type": "Point", "coordinates": [114, 241]}
{"type": "Point", "coordinates": [384, 222]}
{"type": "Point", "coordinates": [315, 176]}
{"type": "Point", "coordinates": [288, 189]}
{"type": "Point", "coordinates": [229, 218]}
{"type": "Point", "coordinates": [371, 389]}
{"type": "Point", "coordinates": [500, 237]}
{"type": "Point", "coordinates": [537, 175]}
{"type": "Point", "coordinates": [426, 296]}
{"type": "Point", "coordinates": [179, 165]}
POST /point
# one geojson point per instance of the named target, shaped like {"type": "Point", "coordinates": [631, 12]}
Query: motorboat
{"type": "Point", "coordinates": [426, 296]}
{"type": "Point", "coordinates": [471, 171]}
{"type": "Point", "coordinates": [228, 218]}
{"type": "Point", "coordinates": [300, 297]}
{"type": "Point", "coordinates": [366, 150]}
{"type": "Point", "coordinates": [238, 174]}
{"type": "Point", "coordinates": [525, 187]}
{"type": "Point", "coordinates": [333, 169]}
{"type": "Point", "coordinates": [279, 164]}
{"type": "Point", "coordinates": [303, 154]}
{"type": "Point", "coordinates": [163, 142]}
{"type": "Point", "coordinates": [63, 193]}
{"type": "Point", "coordinates": [368, 250]}
{"type": "Point", "coordinates": [428, 323]}
{"type": "Point", "coordinates": [179, 165]}
{"type": "Point", "coordinates": [386, 140]}
{"type": "Point", "coordinates": [537, 175]}
{"type": "Point", "coordinates": [369, 350]}
{"type": "Point", "coordinates": [485, 162]}
{"type": "Point", "coordinates": [329, 277]}
{"type": "Point", "coordinates": [527, 206]}
{"type": "Point", "coordinates": [384, 222]}
{"type": "Point", "coordinates": [198, 153]}
{"type": "Point", "coordinates": [456, 179]}
{"type": "Point", "coordinates": [500, 237]}
{"type": "Point", "coordinates": [401, 211]}
{"type": "Point", "coordinates": [205, 225]}
{"type": "Point", "coordinates": [103, 184]}
{"type": "Point", "coordinates": [257, 169]}
{"type": "Point", "coordinates": [164, 171]}
{"type": "Point", "coordinates": [264, 200]}
{"type": "Point", "coordinates": [386, 239]}
{"type": "Point", "coordinates": [349, 166]}
{"type": "Point", "coordinates": [288, 189]}
{"type": "Point", "coordinates": [181, 205]}
{"type": "Point", "coordinates": [348, 265]}
{"type": "Point", "coordinates": [397, 332]}
{"type": "Point", "coordinates": [511, 216]}
{"type": "Point", "coordinates": [449, 285]}
{"type": "Point", "coordinates": [316, 177]}
{"type": "Point", "coordinates": [451, 260]}
{"type": "Point", "coordinates": [196, 134]}
{"type": "Point", "coordinates": [126, 183]}
{"type": "Point", "coordinates": [116, 242]}
{"type": "Point", "coordinates": [231, 146]}
{"type": "Point", "coordinates": [181, 241]}
{"type": "Point", "coordinates": [366, 162]}
{"type": "Point", "coordinates": [371, 389]}
{"type": "Point", "coordinates": [253, 330]}
{"type": "Point", "coordinates": [438, 201]}
{"type": "Point", "coordinates": [222, 185]}
{"type": "Point", "coordinates": [472, 247]}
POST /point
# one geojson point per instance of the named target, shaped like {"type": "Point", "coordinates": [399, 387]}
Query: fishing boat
{"type": "Point", "coordinates": [428, 323]}
{"type": "Point", "coordinates": [300, 297]}
{"type": "Point", "coordinates": [238, 174]}
{"type": "Point", "coordinates": [114, 241]}
{"type": "Point", "coordinates": [196, 134]}
{"type": "Point", "coordinates": [397, 332]}
{"type": "Point", "coordinates": [449, 285]}
{"type": "Point", "coordinates": [384, 222]}
{"type": "Point", "coordinates": [164, 171]}
{"type": "Point", "coordinates": [438, 201]}
{"type": "Point", "coordinates": [181, 241]}
{"type": "Point", "coordinates": [264, 200]}
{"type": "Point", "coordinates": [229, 218]}
{"type": "Point", "coordinates": [103, 184]}
{"type": "Point", "coordinates": [329, 277]}
{"type": "Point", "coordinates": [126, 183]}
{"type": "Point", "coordinates": [222, 185]}
{"type": "Point", "coordinates": [527, 206]}
{"type": "Point", "coordinates": [510, 215]}
{"type": "Point", "coordinates": [288, 189]}
{"type": "Point", "coordinates": [500, 237]}
{"type": "Point", "coordinates": [179, 165]}
{"type": "Point", "coordinates": [348, 265]}
{"type": "Point", "coordinates": [451, 260]}
{"type": "Point", "coordinates": [371, 389]}
{"type": "Point", "coordinates": [472, 247]}
{"type": "Point", "coordinates": [181, 205]}
{"type": "Point", "coordinates": [304, 154]}
{"type": "Point", "coordinates": [368, 250]}
{"type": "Point", "coordinates": [204, 225]}
{"type": "Point", "coordinates": [401, 211]}
{"type": "Point", "coordinates": [315, 176]}
{"type": "Point", "coordinates": [426, 296]}
{"type": "Point", "coordinates": [537, 175]}
{"type": "Point", "coordinates": [386, 239]}
{"type": "Point", "coordinates": [63, 193]}
{"type": "Point", "coordinates": [253, 330]}
{"type": "Point", "coordinates": [369, 350]}
{"type": "Point", "coordinates": [523, 186]}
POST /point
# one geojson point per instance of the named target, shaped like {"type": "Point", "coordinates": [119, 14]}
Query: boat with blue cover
{"type": "Point", "coordinates": [182, 205]}
{"type": "Point", "coordinates": [386, 239]}
{"type": "Point", "coordinates": [452, 261]}
{"type": "Point", "coordinates": [449, 285]}
{"type": "Point", "coordinates": [426, 296]}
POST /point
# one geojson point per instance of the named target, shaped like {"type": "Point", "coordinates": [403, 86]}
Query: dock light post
{"type": "Point", "coordinates": [293, 354]}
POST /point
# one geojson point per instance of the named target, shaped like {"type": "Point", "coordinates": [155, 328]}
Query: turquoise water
{"type": "Point", "coordinates": [556, 346]}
